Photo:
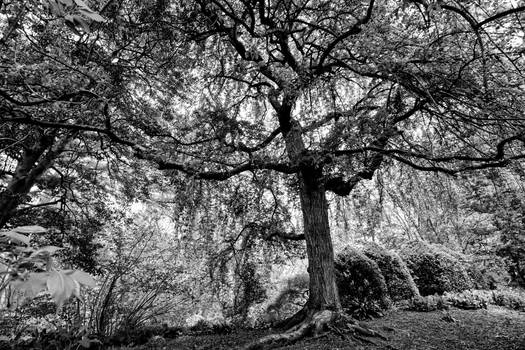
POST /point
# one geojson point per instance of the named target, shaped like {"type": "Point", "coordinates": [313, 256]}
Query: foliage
{"type": "Point", "coordinates": [137, 289]}
{"type": "Point", "coordinates": [510, 221]}
{"type": "Point", "coordinates": [488, 271]}
{"type": "Point", "coordinates": [289, 300]}
{"type": "Point", "coordinates": [362, 286]}
{"type": "Point", "coordinates": [35, 325]}
{"type": "Point", "coordinates": [205, 327]}
{"type": "Point", "coordinates": [428, 303]}
{"type": "Point", "coordinates": [511, 298]}
{"type": "Point", "coordinates": [142, 335]}
{"type": "Point", "coordinates": [468, 300]}
{"type": "Point", "coordinates": [434, 269]}
{"type": "Point", "coordinates": [328, 93]}
{"type": "Point", "coordinates": [251, 291]}
{"type": "Point", "coordinates": [30, 271]}
{"type": "Point", "coordinates": [399, 282]}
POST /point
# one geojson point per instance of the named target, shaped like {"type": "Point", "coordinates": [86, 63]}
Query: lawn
{"type": "Point", "coordinates": [494, 328]}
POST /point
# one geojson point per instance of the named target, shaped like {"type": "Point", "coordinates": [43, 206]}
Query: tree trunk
{"type": "Point", "coordinates": [33, 162]}
{"type": "Point", "coordinates": [314, 205]}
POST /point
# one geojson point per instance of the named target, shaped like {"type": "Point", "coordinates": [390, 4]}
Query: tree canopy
{"type": "Point", "coordinates": [315, 94]}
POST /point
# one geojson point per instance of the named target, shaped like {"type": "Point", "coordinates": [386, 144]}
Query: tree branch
{"type": "Point", "coordinates": [65, 97]}
{"type": "Point", "coordinates": [500, 15]}
{"type": "Point", "coordinates": [242, 147]}
{"type": "Point", "coordinates": [355, 29]}
{"type": "Point", "coordinates": [499, 153]}
{"type": "Point", "coordinates": [284, 235]}
{"type": "Point", "coordinates": [34, 206]}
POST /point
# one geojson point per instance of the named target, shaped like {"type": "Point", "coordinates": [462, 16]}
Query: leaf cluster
{"type": "Point", "coordinates": [28, 270]}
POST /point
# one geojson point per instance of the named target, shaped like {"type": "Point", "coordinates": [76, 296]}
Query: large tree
{"type": "Point", "coordinates": [323, 92]}
{"type": "Point", "coordinates": [330, 90]}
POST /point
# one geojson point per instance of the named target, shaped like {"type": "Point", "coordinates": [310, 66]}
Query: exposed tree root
{"type": "Point", "coordinates": [314, 323]}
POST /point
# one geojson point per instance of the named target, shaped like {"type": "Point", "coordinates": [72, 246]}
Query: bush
{"type": "Point", "coordinates": [400, 284]}
{"type": "Point", "coordinates": [362, 287]}
{"type": "Point", "coordinates": [468, 300]}
{"type": "Point", "coordinates": [428, 303]}
{"type": "Point", "coordinates": [488, 272]}
{"type": "Point", "coordinates": [510, 298]}
{"type": "Point", "coordinates": [206, 327]}
{"type": "Point", "coordinates": [434, 269]}
{"type": "Point", "coordinates": [145, 334]}
{"type": "Point", "coordinates": [289, 300]}
{"type": "Point", "coordinates": [480, 279]}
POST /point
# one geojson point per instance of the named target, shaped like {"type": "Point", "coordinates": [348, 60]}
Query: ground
{"type": "Point", "coordinates": [495, 328]}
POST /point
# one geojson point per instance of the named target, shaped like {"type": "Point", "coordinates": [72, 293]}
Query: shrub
{"type": "Point", "coordinates": [480, 279]}
{"type": "Point", "coordinates": [434, 269]}
{"type": "Point", "coordinates": [361, 284]}
{"type": "Point", "coordinates": [289, 300]}
{"type": "Point", "coordinates": [468, 300]}
{"type": "Point", "coordinates": [428, 303]}
{"type": "Point", "coordinates": [400, 284]}
{"type": "Point", "coordinates": [488, 271]}
{"type": "Point", "coordinates": [510, 298]}
{"type": "Point", "coordinates": [206, 327]}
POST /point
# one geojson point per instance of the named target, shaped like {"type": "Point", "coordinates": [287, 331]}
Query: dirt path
{"type": "Point", "coordinates": [493, 329]}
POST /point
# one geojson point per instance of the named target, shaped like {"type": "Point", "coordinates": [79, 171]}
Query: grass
{"type": "Point", "coordinates": [486, 329]}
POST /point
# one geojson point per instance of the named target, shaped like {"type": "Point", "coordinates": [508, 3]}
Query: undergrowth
{"type": "Point", "coordinates": [510, 298]}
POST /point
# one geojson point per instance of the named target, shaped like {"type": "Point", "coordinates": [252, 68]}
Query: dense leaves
{"type": "Point", "coordinates": [284, 102]}
{"type": "Point", "coordinates": [435, 270]}
{"type": "Point", "coordinates": [399, 281]}
{"type": "Point", "coordinates": [361, 283]}
{"type": "Point", "coordinates": [30, 270]}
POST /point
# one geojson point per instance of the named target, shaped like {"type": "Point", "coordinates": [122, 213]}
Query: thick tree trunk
{"type": "Point", "coordinates": [323, 290]}
{"type": "Point", "coordinates": [314, 205]}
{"type": "Point", "coordinates": [33, 162]}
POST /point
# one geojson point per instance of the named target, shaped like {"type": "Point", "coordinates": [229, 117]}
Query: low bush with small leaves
{"type": "Point", "coordinates": [397, 276]}
{"type": "Point", "coordinates": [475, 299]}
{"type": "Point", "coordinates": [143, 335]}
{"type": "Point", "coordinates": [207, 327]}
{"type": "Point", "coordinates": [468, 300]}
{"type": "Point", "coordinates": [361, 284]}
{"type": "Point", "coordinates": [512, 298]}
{"type": "Point", "coordinates": [435, 269]}
{"type": "Point", "coordinates": [428, 303]}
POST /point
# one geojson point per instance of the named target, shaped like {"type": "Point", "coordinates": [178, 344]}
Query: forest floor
{"type": "Point", "coordinates": [494, 328]}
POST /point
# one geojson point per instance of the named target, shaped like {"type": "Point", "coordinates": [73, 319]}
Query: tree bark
{"type": "Point", "coordinates": [33, 162]}
{"type": "Point", "coordinates": [323, 293]}
{"type": "Point", "coordinates": [323, 290]}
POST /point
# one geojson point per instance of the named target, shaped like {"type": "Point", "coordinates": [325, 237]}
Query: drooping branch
{"type": "Point", "coordinates": [501, 15]}
{"type": "Point", "coordinates": [65, 97]}
{"type": "Point", "coordinates": [28, 120]}
{"type": "Point", "coordinates": [242, 147]}
{"type": "Point", "coordinates": [218, 25]}
{"type": "Point", "coordinates": [498, 155]}
{"type": "Point", "coordinates": [269, 231]}
{"type": "Point", "coordinates": [287, 236]}
{"type": "Point", "coordinates": [355, 29]}
{"type": "Point", "coordinates": [40, 205]}
{"type": "Point", "coordinates": [251, 165]}
{"type": "Point", "coordinates": [341, 186]}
